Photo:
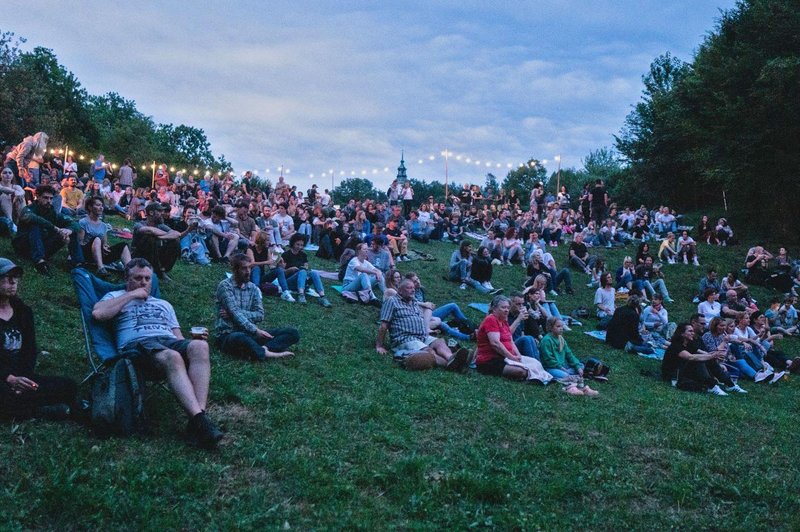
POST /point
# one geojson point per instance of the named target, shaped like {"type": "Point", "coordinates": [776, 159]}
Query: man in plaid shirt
{"type": "Point", "coordinates": [239, 309]}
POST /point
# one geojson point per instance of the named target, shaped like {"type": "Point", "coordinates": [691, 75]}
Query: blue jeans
{"type": "Point", "coordinates": [245, 345]}
{"type": "Point", "coordinates": [459, 274]}
{"type": "Point", "coordinates": [527, 346]}
{"type": "Point", "coordinates": [40, 245]}
{"type": "Point", "coordinates": [560, 373]}
{"type": "Point", "coordinates": [361, 282]}
{"type": "Point", "coordinates": [445, 311]}
{"type": "Point", "coordinates": [259, 273]}
{"type": "Point", "coordinates": [297, 281]}
{"type": "Point", "coordinates": [556, 278]}
{"type": "Point", "coordinates": [552, 309]}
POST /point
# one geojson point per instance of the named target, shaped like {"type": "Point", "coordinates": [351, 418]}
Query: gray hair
{"type": "Point", "coordinates": [497, 300]}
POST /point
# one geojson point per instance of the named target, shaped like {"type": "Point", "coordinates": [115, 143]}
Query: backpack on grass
{"type": "Point", "coordinates": [118, 401]}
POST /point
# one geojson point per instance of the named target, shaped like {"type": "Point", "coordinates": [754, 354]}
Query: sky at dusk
{"type": "Point", "coordinates": [343, 85]}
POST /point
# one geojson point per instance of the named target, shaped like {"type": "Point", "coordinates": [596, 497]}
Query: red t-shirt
{"type": "Point", "coordinates": [485, 350]}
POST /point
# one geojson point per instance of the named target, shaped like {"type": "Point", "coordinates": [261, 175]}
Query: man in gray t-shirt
{"type": "Point", "coordinates": [149, 334]}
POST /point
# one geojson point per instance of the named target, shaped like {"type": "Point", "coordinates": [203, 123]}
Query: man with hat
{"type": "Point", "coordinates": [155, 241]}
{"type": "Point", "coordinates": [24, 393]}
{"type": "Point", "coordinates": [42, 232]}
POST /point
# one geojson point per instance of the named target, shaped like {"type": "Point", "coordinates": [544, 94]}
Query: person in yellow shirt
{"type": "Point", "coordinates": [71, 198]}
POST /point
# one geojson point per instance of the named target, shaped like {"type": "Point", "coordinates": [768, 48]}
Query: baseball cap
{"type": "Point", "coordinates": [7, 267]}
{"type": "Point", "coordinates": [151, 207]}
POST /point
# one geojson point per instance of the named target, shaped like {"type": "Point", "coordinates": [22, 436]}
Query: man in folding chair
{"type": "Point", "coordinates": [149, 334]}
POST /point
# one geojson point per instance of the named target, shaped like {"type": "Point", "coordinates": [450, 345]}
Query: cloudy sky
{"type": "Point", "coordinates": [346, 85]}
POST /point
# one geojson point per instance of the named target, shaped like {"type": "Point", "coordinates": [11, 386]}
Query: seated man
{"type": "Point", "coordinates": [155, 241]}
{"type": "Point", "coordinates": [419, 229]}
{"type": "Point", "coordinates": [525, 326]}
{"type": "Point", "coordinates": [403, 319]}
{"type": "Point", "coordinates": [71, 197]}
{"type": "Point", "coordinates": [23, 392]}
{"type": "Point", "coordinates": [297, 271]}
{"type": "Point", "coordinates": [579, 255]}
{"type": "Point", "coordinates": [285, 224]}
{"type": "Point", "coordinates": [222, 238]}
{"type": "Point", "coordinates": [378, 255]}
{"type": "Point", "coordinates": [42, 232]}
{"type": "Point", "coordinates": [149, 334]}
{"type": "Point", "coordinates": [448, 318]}
{"type": "Point", "coordinates": [239, 308]}
{"type": "Point", "coordinates": [398, 241]}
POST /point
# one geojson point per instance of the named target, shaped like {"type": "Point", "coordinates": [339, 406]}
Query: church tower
{"type": "Point", "coordinates": [401, 170]}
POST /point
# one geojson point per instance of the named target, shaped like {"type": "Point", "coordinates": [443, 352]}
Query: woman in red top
{"type": "Point", "coordinates": [495, 342]}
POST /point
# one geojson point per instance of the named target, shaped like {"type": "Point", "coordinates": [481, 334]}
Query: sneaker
{"type": "Point", "coordinates": [287, 296]}
{"type": "Point", "coordinates": [695, 262]}
{"type": "Point", "coordinates": [762, 376]}
{"type": "Point", "coordinates": [735, 388]}
{"type": "Point", "coordinates": [495, 291]}
{"type": "Point", "coordinates": [669, 300]}
{"type": "Point", "coordinates": [203, 432]}
{"type": "Point", "coordinates": [488, 285]}
{"type": "Point", "coordinates": [375, 302]}
{"type": "Point", "coordinates": [324, 302]}
{"type": "Point", "coordinates": [716, 390]}
{"type": "Point", "coordinates": [459, 360]}
{"type": "Point", "coordinates": [628, 347]}
{"type": "Point", "coordinates": [572, 389]}
{"type": "Point", "coordinates": [301, 298]}
{"type": "Point", "coordinates": [685, 260]}
{"type": "Point", "coordinates": [463, 286]}
{"type": "Point", "coordinates": [310, 292]}
{"type": "Point", "coordinates": [777, 376]}
{"type": "Point", "coordinates": [553, 293]}
{"type": "Point", "coordinates": [43, 268]}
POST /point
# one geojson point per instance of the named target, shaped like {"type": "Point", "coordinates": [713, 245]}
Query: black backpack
{"type": "Point", "coordinates": [118, 401]}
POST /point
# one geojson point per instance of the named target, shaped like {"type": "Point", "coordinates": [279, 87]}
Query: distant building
{"type": "Point", "coordinates": [401, 170]}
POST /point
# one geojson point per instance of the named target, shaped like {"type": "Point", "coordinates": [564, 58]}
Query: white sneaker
{"type": "Point", "coordinates": [695, 262]}
{"type": "Point", "coordinates": [553, 293]}
{"type": "Point", "coordinates": [310, 292]}
{"type": "Point", "coordinates": [685, 261]}
{"type": "Point", "coordinates": [761, 376]}
{"type": "Point", "coordinates": [716, 390]}
{"type": "Point", "coordinates": [463, 286]}
{"type": "Point", "coordinates": [287, 296]}
{"type": "Point", "coordinates": [488, 285]}
{"type": "Point", "coordinates": [735, 388]}
{"type": "Point", "coordinates": [777, 377]}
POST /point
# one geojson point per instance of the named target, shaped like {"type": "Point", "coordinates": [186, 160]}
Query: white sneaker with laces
{"type": "Point", "coordinates": [287, 296]}
{"type": "Point", "coordinates": [777, 377]}
{"type": "Point", "coordinates": [463, 286]}
{"type": "Point", "coordinates": [310, 292]}
{"type": "Point", "coordinates": [735, 388]}
{"type": "Point", "coordinates": [716, 390]}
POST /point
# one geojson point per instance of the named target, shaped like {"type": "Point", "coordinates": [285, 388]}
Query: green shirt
{"type": "Point", "coordinates": [553, 357]}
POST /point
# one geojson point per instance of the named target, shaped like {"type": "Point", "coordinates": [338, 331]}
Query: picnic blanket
{"type": "Point", "coordinates": [415, 254]}
{"type": "Point", "coordinates": [480, 307]}
{"type": "Point", "coordinates": [476, 236]}
{"type": "Point", "coordinates": [601, 335]}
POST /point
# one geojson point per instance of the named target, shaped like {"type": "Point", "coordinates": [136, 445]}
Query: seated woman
{"type": "Point", "coordinates": [695, 372]}
{"type": "Point", "coordinates": [706, 231]}
{"type": "Point", "coordinates": [623, 331]}
{"type": "Point", "coordinates": [604, 301]}
{"type": "Point", "coordinates": [360, 275]}
{"type": "Point", "coordinates": [625, 275]}
{"type": "Point", "coordinates": [551, 231]}
{"type": "Point", "coordinates": [667, 251]}
{"type": "Point", "coordinates": [748, 351]}
{"type": "Point", "coordinates": [93, 236]}
{"type": "Point", "coordinates": [497, 353]}
{"type": "Point", "coordinates": [687, 248]}
{"type": "Point", "coordinates": [724, 232]}
{"type": "Point", "coordinates": [461, 268]}
{"type": "Point", "coordinates": [642, 253]}
{"type": "Point", "coordinates": [393, 278]}
{"type": "Point", "coordinates": [267, 264]}
{"type": "Point", "coordinates": [482, 267]}
{"type": "Point", "coordinates": [512, 247]}
{"type": "Point", "coordinates": [559, 360]}
{"type": "Point", "coordinates": [23, 392]}
{"type": "Point", "coordinates": [539, 284]}
{"type": "Point", "coordinates": [777, 359]}
{"type": "Point", "coordinates": [710, 307]}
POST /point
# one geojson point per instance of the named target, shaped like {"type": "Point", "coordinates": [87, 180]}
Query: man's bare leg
{"type": "Point", "coordinates": [178, 379]}
{"type": "Point", "coordinates": [199, 370]}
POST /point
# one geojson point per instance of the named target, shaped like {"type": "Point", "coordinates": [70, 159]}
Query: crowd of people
{"type": "Point", "coordinates": [265, 234]}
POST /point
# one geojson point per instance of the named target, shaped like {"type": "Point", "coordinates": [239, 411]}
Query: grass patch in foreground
{"type": "Point", "coordinates": [340, 437]}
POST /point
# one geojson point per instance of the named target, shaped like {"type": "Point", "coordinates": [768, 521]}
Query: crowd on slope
{"type": "Point", "coordinates": [264, 234]}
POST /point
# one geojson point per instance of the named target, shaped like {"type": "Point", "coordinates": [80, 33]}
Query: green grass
{"type": "Point", "coordinates": [339, 437]}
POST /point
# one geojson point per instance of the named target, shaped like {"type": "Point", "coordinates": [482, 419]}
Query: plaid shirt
{"type": "Point", "coordinates": [244, 307]}
{"type": "Point", "coordinates": [405, 320]}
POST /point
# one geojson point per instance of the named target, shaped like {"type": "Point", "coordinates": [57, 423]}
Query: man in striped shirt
{"type": "Point", "coordinates": [239, 309]}
{"type": "Point", "coordinates": [408, 332]}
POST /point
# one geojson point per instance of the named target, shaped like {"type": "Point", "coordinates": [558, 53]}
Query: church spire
{"type": "Point", "coordinates": [401, 170]}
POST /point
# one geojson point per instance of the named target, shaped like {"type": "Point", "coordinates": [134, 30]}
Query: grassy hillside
{"type": "Point", "coordinates": [340, 437]}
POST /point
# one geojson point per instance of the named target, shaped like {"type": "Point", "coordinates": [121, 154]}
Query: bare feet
{"type": "Point", "coordinates": [272, 354]}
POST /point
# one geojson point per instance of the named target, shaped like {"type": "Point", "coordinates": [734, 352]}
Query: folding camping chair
{"type": "Point", "coordinates": [98, 336]}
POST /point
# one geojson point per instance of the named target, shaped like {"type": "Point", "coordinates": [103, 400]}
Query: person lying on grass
{"type": "Point", "coordinates": [402, 318]}
{"type": "Point", "coordinates": [239, 309]}
{"type": "Point", "coordinates": [497, 353]}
